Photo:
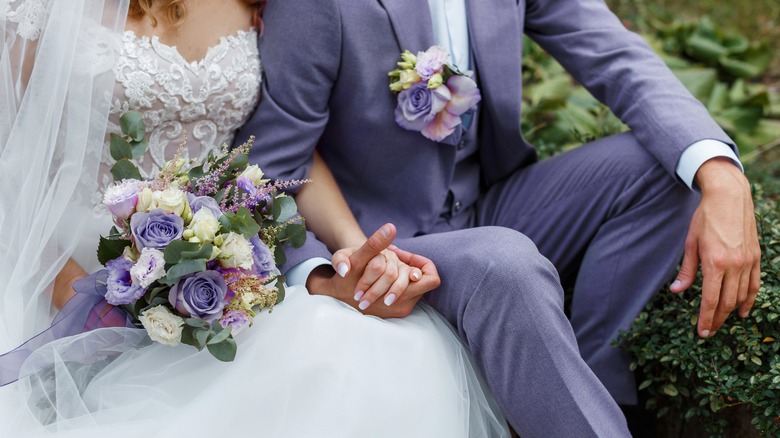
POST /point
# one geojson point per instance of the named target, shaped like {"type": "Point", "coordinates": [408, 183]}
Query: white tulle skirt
{"type": "Point", "coordinates": [314, 367]}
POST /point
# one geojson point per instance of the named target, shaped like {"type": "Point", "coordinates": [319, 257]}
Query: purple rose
{"type": "Point", "coordinates": [202, 295]}
{"type": "Point", "coordinates": [418, 106]}
{"type": "Point", "coordinates": [264, 264]}
{"type": "Point", "coordinates": [120, 287]}
{"type": "Point", "coordinates": [198, 202]}
{"type": "Point", "coordinates": [156, 229]}
{"type": "Point", "coordinates": [236, 320]}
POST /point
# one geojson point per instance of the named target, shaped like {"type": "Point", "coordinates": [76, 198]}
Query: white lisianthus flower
{"type": "Point", "coordinates": [121, 198]}
{"type": "Point", "coordinates": [145, 201]}
{"type": "Point", "coordinates": [204, 225]}
{"type": "Point", "coordinates": [236, 252]}
{"type": "Point", "coordinates": [171, 200]}
{"type": "Point", "coordinates": [255, 174]}
{"type": "Point", "coordinates": [149, 268]}
{"type": "Point", "coordinates": [162, 325]}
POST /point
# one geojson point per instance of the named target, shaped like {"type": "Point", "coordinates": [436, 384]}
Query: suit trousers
{"type": "Point", "coordinates": [606, 217]}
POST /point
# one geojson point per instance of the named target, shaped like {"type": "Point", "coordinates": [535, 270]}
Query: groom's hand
{"type": "Point", "coordinates": [367, 262]}
{"type": "Point", "coordinates": [722, 238]}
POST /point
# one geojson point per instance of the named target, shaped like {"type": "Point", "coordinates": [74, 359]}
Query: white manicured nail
{"type": "Point", "coordinates": [390, 299]}
{"type": "Point", "coordinates": [342, 269]}
{"type": "Point", "coordinates": [676, 283]}
{"type": "Point", "coordinates": [363, 305]}
{"type": "Point", "coordinates": [359, 295]}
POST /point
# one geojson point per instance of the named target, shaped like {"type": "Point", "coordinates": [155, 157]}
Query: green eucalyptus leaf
{"type": "Point", "coordinates": [139, 148]}
{"type": "Point", "coordinates": [219, 337]}
{"type": "Point", "coordinates": [181, 269]}
{"type": "Point", "coordinates": [200, 337]}
{"type": "Point", "coordinates": [132, 125]}
{"type": "Point", "coordinates": [120, 148]}
{"type": "Point", "coordinates": [225, 350]}
{"type": "Point", "coordinates": [124, 169]}
{"type": "Point", "coordinates": [287, 208]}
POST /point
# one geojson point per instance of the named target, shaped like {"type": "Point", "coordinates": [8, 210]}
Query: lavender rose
{"type": "Point", "coordinates": [198, 202]}
{"type": "Point", "coordinates": [200, 296]}
{"type": "Point", "coordinates": [120, 286]}
{"type": "Point", "coordinates": [264, 261]}
{"type": "Point", "coordinates": [156, 229]}
{"type": "Point", "coordinates": [418, 106]}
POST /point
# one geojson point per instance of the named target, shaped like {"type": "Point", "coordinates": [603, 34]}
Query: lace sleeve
{"type": "Point", "coordinates": [26, 17]}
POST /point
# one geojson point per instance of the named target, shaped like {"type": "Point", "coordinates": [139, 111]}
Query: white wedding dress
{"type": "Point", "coordinates": [312, 367]}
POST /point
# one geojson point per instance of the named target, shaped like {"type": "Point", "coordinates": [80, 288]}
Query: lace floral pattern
{"type": "Point", "coordinates": [206, 100]}
{"type": "Point", "coordinates": [29, 16]}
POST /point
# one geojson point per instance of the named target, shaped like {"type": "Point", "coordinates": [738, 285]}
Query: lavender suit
{"type": "Point", "coordinates": [500, 226]}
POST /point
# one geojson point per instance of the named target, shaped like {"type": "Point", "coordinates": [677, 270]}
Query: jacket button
{"type": "Point", "coordinates": [461, 145]}
{"type": "Point", "coordinates": [457, 206]}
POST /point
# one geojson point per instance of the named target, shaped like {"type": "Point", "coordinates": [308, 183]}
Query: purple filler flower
{"type": "Point", "coordinates": [156, 229]}
{"type": "Point", "coordinates": [120, 287]}
{"type": "Point", "coordinates": [264, 264]}
{"type": "Point", "coordinates": [235, 319]}
{"type": "Point", "coordinates": [418, 106]}
{"type": "Point", "coordinates": [245, 183]}
{"type": "Point", "coordinates": [198, 202]}
{"type": "Point", "coordinates": [200, 296]}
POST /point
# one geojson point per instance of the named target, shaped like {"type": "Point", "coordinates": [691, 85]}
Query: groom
{"type": "Point", "coordinates": [503, 229]}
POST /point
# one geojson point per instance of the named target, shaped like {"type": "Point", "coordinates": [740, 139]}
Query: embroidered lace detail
{"type": "Point", "coordinates": [29, 16]}
{"type": "Point", "coordinates": [207, 99]}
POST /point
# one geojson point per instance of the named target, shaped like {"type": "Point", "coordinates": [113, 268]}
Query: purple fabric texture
{"type": "Point", "coordinates": [87, 310]}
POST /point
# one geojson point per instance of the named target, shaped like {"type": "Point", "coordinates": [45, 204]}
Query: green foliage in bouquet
{"type": "Point", "coordinates": [739, 366]}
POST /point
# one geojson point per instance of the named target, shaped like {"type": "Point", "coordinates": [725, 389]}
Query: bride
{"type": "Point", "coordinates": [313, 367]}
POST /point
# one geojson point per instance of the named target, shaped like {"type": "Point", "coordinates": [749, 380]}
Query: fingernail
{"type": "Point", "coordinates": [342, 269]}
{"type": "Point", "coordinates": [416, 275]}
{"type": "Point", "coordinates": [363, 305]}
{"type": "Point", "coordinates": [746, 314]}
{"type": "Point", "coordinates": [677, 283]}
{"type": "Point", "coordinates": [705, 333]}
{"type": "Point", "coordinates": [385, 230]}
{"type": "Point", "coordinates": [390, 299]}
{"type": "Point", "coordinates": [359, 295]}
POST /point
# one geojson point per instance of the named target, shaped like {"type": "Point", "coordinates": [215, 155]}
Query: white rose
{"type": "Point", "coordinates": [254, 173]}
{"type": "Point", "coordinates": [145, 200]}
{"type": "Point", "coordinates": [204, 225]}
{"type": "Point", "coordinates": [236, 252]}
{"type": "Point", "coordinates": [172, 200]}
{"type": "Point", "coordinates": [149, 268]}
{"type": "Point", "coordinates": [162, 325]}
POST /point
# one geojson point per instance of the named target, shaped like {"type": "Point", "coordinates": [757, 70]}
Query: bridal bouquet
{"type": "Point", "coordinates": [192, 256]}
{"type": "Point", "coordinates": [432, 94]}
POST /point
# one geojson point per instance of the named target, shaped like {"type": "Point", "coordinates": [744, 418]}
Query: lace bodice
{"type": "Point", "coordinates": [208, 100]}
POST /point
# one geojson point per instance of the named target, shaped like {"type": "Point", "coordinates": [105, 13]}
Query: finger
{"type": "Point", "coordinates": [340, 262]}
{"type": "Point", "coordinates": [755, 285]}
{"type": "Point", "coordinates": [744, 284]}
{"type": "Point", "coordinates": [415, 274]}
{"type": "Point", "coordinates": [398, 288]}
{"type": "Point", "coordinates": [378, 242]}
{"type": "Point", "coordinates": [728, 299]}
{"type": "Point", "coordinates": [380, 286]}
{"type": "Point", "coordinates": [373, 271]}
{"type": "Point", "coordinates": [710, 297]}
{"type": "Point", "coordinates": [411, 259]}
{"type": "Point", "coordinates": [688, 270]}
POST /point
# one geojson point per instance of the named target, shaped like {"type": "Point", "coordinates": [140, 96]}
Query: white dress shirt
{"type": "Point", "coordinates": [450, 30]}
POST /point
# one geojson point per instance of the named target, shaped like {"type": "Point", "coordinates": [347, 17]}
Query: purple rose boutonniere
{"type": "Point", "coordinates": [432, 94]}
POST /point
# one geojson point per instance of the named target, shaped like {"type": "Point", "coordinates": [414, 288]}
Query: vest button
{"type": "Point", "coordinates": [457, 206]}
{"type": "Point", "coordinates": [461, 145]}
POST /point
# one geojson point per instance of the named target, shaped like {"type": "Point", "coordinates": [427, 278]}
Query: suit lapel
{"type": "Point", "coordinates": [411, 20]}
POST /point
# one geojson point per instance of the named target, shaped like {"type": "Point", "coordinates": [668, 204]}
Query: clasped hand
{"type": "Point", "coordinates": [374, 270]}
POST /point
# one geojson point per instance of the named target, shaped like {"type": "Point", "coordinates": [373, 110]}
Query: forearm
{"type": "Point", "coordinates": [63, 283]}
{"type": "Point", "coordinates": [327, 213]}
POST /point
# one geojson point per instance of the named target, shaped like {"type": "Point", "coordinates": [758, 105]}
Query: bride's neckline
{"type": "Point", "coordinates": [179, 58]}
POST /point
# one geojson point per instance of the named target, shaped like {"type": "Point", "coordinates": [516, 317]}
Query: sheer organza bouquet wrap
{"type": "Point", "coordinates": [192, 256]}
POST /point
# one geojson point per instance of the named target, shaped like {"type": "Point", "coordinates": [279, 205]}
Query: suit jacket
{"type": "Point", "coordinates": [326, 86]}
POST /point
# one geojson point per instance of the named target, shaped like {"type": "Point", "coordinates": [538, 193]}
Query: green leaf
{"type": "Point", "coordinates": [120, 148]}
{"type": "Point", "coordinates": [181, 269]}
{"type": "Point", "coordinates": [280, 292]}
{"type": "Point", "coordinates": [180, 250]}
{"type": "Point", "coordinates": [279, 257]}
{"type": "Point", "coordinates": [197, 323]}
{"type": "Point", "coordinates": [241, 222]}
{"type": "Point", "coordinates": [225, 350]}
{"type": "Point", "coordinates": [296, 234]}
{"type": "Point", "coordinates": [187, 336]}
{"type": "Point", "coordinates": [200, 337]}
{"type": "Point", "coordinates": [220, 336]}
{"type": "Point", "coordinates": [132, 125]}
{"type": "Point", "coordinates": [756, 360]}
{"type": "Point", "coordinates": [139, 148]}
{"type": "Point", "coordinates": [124, 169]}
{"type": "Point", "coordinates": [670, 390]}
{"type": "Point", "coordinates": [110, 249]}
{"type": "Point", "coordinates": [645, 384]}
{"type": "Point", "coordinates": [287, 208]}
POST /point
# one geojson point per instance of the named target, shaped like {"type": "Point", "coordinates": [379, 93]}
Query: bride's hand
{"type": "Point", "coordinates": [63, 283]}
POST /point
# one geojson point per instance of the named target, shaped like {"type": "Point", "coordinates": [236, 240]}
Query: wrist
{"type": "Point", "coordinates": [318, 281]}
{"type": "Point", "coordinates": [719, 174]}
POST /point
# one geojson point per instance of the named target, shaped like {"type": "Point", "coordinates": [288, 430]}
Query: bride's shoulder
{"type": "Point", "coordinates": [26, 16]}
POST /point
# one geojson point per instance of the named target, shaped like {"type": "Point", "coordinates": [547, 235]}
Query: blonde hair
{"type": "Point", "coordinates": [174, 11]}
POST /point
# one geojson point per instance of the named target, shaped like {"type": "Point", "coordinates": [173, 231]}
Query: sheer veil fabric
{"type": "Point", "coordinates": [315, 367]}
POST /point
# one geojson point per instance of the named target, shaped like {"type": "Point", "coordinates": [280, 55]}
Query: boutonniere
{"type": "Point", "coordinates": [432, 94]}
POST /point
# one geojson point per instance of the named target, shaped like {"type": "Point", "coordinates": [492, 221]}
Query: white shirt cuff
{"type": "Point", "coordinates": [298, 274]}
{"type": "Point", "coordinates": [696, 154]}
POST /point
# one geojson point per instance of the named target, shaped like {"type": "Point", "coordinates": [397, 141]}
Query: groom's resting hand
{"type": "Point", "coordinates": [724, 240]}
